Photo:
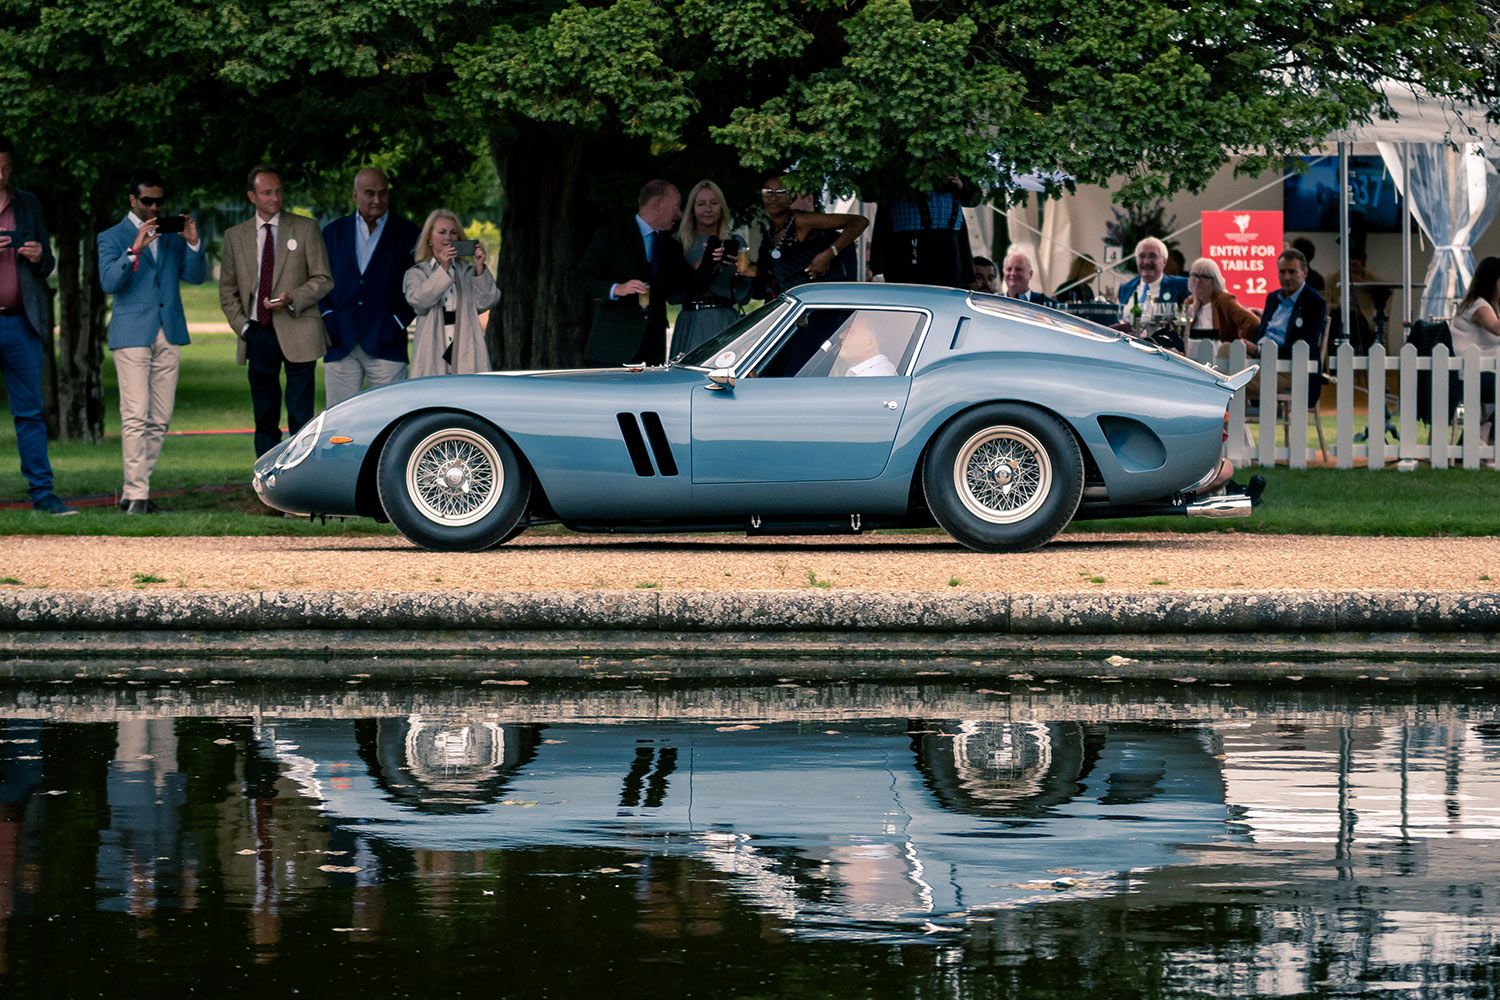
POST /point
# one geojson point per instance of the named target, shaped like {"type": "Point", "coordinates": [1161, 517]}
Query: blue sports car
{"type": "Point", "coordinates": [835, 408]}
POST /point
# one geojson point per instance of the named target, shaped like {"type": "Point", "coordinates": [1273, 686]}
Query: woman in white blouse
{"type": "Point", "coordinates": [448, 295]}
{"type": "Point", "coordinates": [1477, 324]}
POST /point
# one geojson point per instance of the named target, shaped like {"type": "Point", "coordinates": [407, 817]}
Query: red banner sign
{"type": "Point", "coordinates": [1245, 245]}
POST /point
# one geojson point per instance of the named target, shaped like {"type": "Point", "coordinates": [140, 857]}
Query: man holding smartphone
{"type": "Point", "coordinates": [142, 264]}
{"type": "Point", "coordinates": [273, 273]}
{"type": "Point", "coordinates": [25, 262]}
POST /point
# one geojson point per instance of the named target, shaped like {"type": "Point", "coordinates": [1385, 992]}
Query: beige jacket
{"type": "Point", "coordinates": [301, 273]}
{"type": "Point", "coordinates": [426, 285]}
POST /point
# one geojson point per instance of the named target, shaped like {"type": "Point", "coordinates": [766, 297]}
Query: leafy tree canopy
{"type": "Point", "coordinates": [893, 94]}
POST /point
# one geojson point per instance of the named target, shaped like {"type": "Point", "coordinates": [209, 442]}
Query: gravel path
{"type": "Point", "coordinates": [1106, 563]}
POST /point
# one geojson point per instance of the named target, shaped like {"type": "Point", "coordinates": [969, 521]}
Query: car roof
{"type": "Point", "coordinates": [878, 293]}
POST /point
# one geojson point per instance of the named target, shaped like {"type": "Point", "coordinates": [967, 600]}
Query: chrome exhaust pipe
{"type": "Point", "coordinates": [1236, 505]}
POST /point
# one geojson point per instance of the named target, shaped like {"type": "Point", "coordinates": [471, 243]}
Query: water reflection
{"type": "Point", "coordinates": [446, 851]}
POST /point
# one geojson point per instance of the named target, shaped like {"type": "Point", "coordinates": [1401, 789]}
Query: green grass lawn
{"type": "Point", "coordinates": [205, 479]}
{"type": "Point", "coordinates": [200, 303]}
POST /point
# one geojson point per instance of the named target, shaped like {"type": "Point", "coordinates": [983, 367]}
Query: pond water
{"type": "Point", "coordinates": [777, 841]}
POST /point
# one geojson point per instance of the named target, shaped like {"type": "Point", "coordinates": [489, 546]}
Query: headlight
{"type": "Point", "coordinates": [302, 445]}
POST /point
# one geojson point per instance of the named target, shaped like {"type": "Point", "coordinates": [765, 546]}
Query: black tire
{"type": "Point", "coordinates": [452, 482]}
{"type": "Point", "coordinates": [1003, 477]}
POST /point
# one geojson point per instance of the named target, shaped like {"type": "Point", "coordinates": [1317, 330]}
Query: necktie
{"type": "Point", "coordinates": [267, 265]}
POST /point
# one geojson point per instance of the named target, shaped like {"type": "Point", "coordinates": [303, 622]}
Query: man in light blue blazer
{"type": "Point", "coordinates": [142, 265]}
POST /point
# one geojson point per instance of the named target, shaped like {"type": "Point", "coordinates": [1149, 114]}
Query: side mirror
{"type": "Point", "coordinates": [720, 378]}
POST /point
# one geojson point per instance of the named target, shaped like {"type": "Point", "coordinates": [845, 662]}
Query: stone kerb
{"type": "Point", "coordinates": [1263, 612]}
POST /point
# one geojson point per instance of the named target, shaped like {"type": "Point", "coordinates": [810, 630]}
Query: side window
{"type": "Point", "coordinates": [835, 343]}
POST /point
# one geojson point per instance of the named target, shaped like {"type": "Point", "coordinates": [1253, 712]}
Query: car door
{"type": "Point", "coordinates": [810, 410]}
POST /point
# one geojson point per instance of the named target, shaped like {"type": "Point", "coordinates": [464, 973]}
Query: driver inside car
{"type": "Point", "coordinates": [859, 350]}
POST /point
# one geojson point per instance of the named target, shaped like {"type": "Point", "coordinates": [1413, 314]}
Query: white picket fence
{"type": "Point", "coordinates": [1280, 433]}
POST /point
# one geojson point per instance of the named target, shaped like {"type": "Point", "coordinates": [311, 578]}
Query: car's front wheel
{"type": "Point", "coordinates": [452, 482]}
{"type": "Point", "coordinates": [1003, 478]}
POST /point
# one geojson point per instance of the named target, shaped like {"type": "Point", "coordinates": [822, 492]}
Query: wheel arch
{"type": "Point", "coordinates": [1091, 473]}
{"type": "Point", "coordinates": [367, 492]}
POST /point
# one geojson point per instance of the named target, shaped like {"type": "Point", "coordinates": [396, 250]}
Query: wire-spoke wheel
{"type": "Point", "coordinates": [452, 482]}
{"type": "Point", "coordinates": [1003, 477]}
{"type": "Point", "coordinates": [1002, 474]}
{"type": "Point", "coordinates": [454, 477]}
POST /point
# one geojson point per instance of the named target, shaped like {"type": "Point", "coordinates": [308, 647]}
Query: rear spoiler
{"type": "Point", "coordinates": [1234, 383]}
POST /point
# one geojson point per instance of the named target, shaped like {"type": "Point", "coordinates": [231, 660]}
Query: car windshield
{"type": "Point", "coordinates": [729, 348]}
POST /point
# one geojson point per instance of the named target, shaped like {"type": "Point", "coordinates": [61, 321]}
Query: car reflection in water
{"type": "Point", "coordinates": [1250, 857]}
{"type": "Point", "coordinates": [860, 826]}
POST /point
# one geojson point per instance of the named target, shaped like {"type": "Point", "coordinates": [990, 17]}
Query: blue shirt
{"type": "Point", "coordinates": [364, 240]}
{"type": "Point", "coordinates": [1282, 318]}
{"type": "Point", "coordinates": [646, 233]}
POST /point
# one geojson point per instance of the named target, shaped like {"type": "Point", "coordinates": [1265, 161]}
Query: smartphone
{"type": "Point", "coordinates": [171, 223]}
{"type": "Point", "coordinates": [464, 248]}
{"type": "Point", "coordinates": [16, 236]}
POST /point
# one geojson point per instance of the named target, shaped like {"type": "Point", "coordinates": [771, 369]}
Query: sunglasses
{"type": "Point", "coordinates": [1202, 276]}
{"type": "Point", "coordinates": [150, 202]}
{"type": "Point", "coordinates": [774, 191]}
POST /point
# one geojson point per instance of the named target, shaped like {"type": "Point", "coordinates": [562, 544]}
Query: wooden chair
{"type": "Point", "coordinates": [1284, 399]}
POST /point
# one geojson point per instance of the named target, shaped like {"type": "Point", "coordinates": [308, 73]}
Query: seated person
{"type": "Point", "coordinates": [1476, 325]}
{"type": "Point", "coordinates": [1294, 312]}
{"type": "Point", "coordinates": [860, 352]}
{"type": "Point", "coordinates": [986, 276]}
{"type": "Point", "coordinates": [1078, 286]}
{"type": "Point", "coordinates": [1152, 285]}
{"type": "Point", "coordinates": [1367, 315]}
{"type": "Point", "coordinates": [1212, 310]}
{"type": "Point", "coordinates": [1017, 274]}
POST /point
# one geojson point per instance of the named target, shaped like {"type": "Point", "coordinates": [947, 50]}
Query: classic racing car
{"type": "Point", "coordinates": [835, 408]}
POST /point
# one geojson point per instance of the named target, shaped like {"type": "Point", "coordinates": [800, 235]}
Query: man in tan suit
{"type": "Point", "coordinates": [274, 271]}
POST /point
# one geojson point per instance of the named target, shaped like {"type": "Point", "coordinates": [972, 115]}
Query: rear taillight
{"type": "Point", "coordinates": [1225, 436]}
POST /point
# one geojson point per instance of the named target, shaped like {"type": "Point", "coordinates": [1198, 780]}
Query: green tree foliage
{"type": "Point", "coordinates": [96, 89]}
{"type": "Point", "coordinates": [895, 93]}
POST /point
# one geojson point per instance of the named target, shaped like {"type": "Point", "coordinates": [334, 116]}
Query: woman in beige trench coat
{"type": "Point", "coordinates": [448, 296]}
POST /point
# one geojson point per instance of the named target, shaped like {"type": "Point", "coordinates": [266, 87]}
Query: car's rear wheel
{"type": "Point", "coordinates": [450, 481]}
{"type": "Point", "coordinates": [1003, 478]}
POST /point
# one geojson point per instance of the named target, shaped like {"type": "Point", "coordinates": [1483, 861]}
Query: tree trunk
{"type": "Point", "coordinates": [541, 321]}
{"type": "Point", "coordinates": [80, 310]}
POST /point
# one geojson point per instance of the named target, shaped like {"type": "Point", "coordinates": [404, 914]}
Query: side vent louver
{"type": "Point", "coordinates": [657, 435]}
{"type": "Point", "coordinates": [634, 444]}
{"type": "Point", "coordinates": [630, 430]}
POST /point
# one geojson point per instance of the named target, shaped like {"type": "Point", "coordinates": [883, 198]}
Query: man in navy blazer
{"type": "Point", "coordinates": [628, 270]}
{"type": "Point", "coordinates": [142, 267]}
{"type": "Point", "coordinates": [1294, 313]}
{"type": "Point", "coordinates": [1151, 283]}
{"type": "Point", "coordinates": [367, 314]}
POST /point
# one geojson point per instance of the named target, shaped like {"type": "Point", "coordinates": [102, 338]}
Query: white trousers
{"type": "Point", "coordinates": [148, 391]}
{"type": "Point", "coordinates": [344, 377]}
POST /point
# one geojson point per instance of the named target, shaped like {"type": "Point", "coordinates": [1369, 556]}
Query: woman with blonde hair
{"type": "Point", "coordinates": [1078, 286]}
{"type": "Point", "coordinates": [448, 295]}
{"type": "Point", "coordinates": [1213, 311]}
{"type": "Point", "coordinates": [721, 277]}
